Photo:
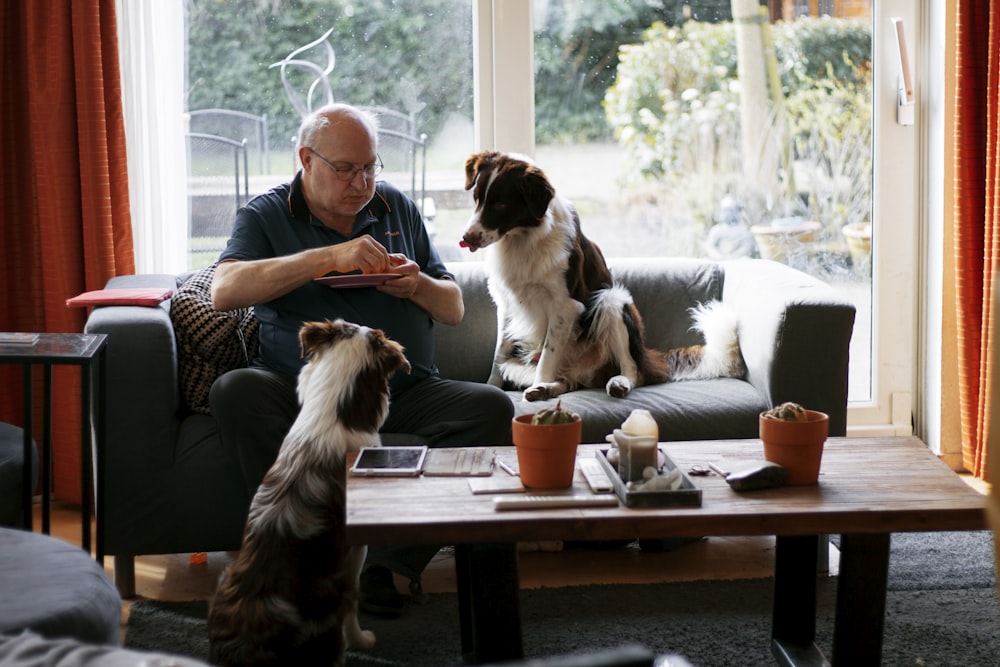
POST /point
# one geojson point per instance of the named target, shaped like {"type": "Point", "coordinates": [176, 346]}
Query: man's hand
{"type": "Point", "coordinates": [406, 284]}
{"type": "Point", "coordinates": [441, 298]}
{"type": "Point", "coordinates": [363, 253]}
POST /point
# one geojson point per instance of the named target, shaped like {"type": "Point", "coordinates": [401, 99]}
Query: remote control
{"type": "Point", "coordinates": [552, 502]}
{"type": "Point", "coordinates": [596, 476]}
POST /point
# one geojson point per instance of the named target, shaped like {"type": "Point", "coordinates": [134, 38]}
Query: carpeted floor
{"type": "Point", "coordinates": [941, 610]}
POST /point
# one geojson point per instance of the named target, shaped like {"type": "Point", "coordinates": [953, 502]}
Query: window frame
{"type": "Point", "coordinates": [895, 246]}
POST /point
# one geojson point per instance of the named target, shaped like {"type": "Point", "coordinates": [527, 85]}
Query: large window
{"type": "Point", "coordinates": [638, 112]}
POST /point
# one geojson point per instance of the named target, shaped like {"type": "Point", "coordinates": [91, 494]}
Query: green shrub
{"type": "Point", "coordinates": [232, 43]}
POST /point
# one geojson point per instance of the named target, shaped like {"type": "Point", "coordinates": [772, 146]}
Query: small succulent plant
{"type": "Point", "coordinates": [789, 412]}
{"type": "Point", "coordinates": [554, 415]}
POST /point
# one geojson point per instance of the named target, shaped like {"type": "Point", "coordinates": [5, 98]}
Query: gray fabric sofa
{"type": "Point", "coordinates": [169, 487]}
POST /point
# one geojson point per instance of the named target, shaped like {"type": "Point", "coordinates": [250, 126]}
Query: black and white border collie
{"type": "Point", "coordinates": [290, 596]}
{"type": "Point", "coordinates": [563, 321]}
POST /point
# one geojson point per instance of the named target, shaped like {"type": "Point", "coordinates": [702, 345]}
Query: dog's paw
{"type": "Point", "coordinates": [544, 390]}
{"type": "Point", "coordinates": [618, 387]}
{"type": "Point", "coordinates": [539, 392]}
{"type": "Point", "coordinates": [363, 640]}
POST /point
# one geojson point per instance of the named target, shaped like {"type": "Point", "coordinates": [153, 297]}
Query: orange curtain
{"type": "Point", "coordinates": [63, 191]}
{"type": "Point", "coordinates": [977, 219]}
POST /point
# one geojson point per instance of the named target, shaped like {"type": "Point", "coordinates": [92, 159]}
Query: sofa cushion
{"type": "Point", "coordinates": [687, 410]}
{"type": "Point", "coordinates": [210, 342]}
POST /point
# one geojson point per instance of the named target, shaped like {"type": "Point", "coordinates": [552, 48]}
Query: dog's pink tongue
{"type": "Point", "coordinates": [463, 244]}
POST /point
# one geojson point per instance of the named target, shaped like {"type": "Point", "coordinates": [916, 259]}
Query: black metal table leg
{"type": "Point", "coordinates": [861, 590]}
{"type": "Point", "coordinates": [793, 623]}
{"type": "Point", "coordinates": [86, 441]}
{"type": "Point", "coordinates": [27, 480]}
{"type": "Point", "coordinates": [47, 448]}
{"type": "Point", "coordinates": [488, 602]}
{"type": "Point", "coordinates": [98, 461]}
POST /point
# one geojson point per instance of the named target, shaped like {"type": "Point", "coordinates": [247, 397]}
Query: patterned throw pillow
{"type": "Point", "coordinates": [209, 342]}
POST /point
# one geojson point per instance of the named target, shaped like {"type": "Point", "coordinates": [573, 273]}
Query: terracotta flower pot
{"type": "Point", "coordinates": [796, 446]}
{"type": "Point", "coordinates": [546, 453]}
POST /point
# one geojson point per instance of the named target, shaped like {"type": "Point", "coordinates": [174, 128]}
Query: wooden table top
{"type": "Point", "coordinates": [866, 485]}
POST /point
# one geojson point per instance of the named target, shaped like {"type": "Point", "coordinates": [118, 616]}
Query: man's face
{"type": "Point", "coordinates": [341, 151]}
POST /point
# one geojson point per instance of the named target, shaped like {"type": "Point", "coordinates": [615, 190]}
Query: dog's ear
{"type": "Point", "coordinates": [472, 169]}
{"type": "Point", "coordinates": [314, 334]}
{"type": "Point", "coordinates": [537, 191]}
{"type": "Point", "coordinates": [309, 336]}
{"type": "Point", "coordinates": [395, 359]}
{"type": "Point", "coordinates": [477, 163]}
{"type": "Point", "coordinates": [389, 353]}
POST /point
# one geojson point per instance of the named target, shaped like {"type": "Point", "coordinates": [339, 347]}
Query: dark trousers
{"type": "Point", "coordinates": [255, 408]}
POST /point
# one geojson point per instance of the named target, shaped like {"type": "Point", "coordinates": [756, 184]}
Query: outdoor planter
{"type": "Point", "coordinates": [786, 240]}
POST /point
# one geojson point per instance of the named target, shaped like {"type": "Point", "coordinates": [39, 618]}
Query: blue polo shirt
{"type": "Point", "coordinates": [279, 223]}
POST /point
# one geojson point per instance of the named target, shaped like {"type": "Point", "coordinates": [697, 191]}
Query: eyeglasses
{"type": "Point", "coordinates": [347, 172]}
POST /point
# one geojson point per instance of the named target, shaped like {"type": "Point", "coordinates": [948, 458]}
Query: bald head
{"type": "Point", "coordinates": [337, 117]}
{"type": "Point", "coordinates": [337, 144]}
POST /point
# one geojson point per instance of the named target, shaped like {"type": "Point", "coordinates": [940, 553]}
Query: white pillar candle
{"type": "Point", "coordinates": [640, 422]}
{"type": "Point", "coordinates": [643, 436]}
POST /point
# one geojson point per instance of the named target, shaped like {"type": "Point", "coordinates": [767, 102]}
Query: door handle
{"type": "Point", "coordinates": [905, 105]}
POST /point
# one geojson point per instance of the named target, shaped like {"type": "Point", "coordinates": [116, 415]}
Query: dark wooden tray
{"type": "Point", "coordinates": [688, 495]}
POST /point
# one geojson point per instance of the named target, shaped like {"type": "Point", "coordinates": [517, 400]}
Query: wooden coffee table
{"type": "Point", "coordinates": [868, 488]}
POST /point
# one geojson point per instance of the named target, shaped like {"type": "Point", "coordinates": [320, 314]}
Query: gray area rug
{"type": "Point", "coordinates": [941, 609]}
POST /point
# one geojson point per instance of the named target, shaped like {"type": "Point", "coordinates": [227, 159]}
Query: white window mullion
{"type": "Point", "coordinates": [505, 91]}
{"type": "Point", "coordinates": [482, 64]}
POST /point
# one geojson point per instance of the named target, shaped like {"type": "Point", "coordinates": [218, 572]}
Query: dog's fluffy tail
{"type": "Point", "coordinates": [720, 356]}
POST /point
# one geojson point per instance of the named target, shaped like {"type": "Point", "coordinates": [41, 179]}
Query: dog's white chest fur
{"type": "Point", "coordinates": [527, 275]}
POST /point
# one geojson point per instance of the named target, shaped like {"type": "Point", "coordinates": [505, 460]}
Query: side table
{"type": "Point", "coordinates": [88, 352]}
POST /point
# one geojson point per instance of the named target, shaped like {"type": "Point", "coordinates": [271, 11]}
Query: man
{"type": "Point", "coordinates": [333, 217]}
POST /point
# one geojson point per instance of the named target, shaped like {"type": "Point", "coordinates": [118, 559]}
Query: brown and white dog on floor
{"type": "Point", "coordinates": [563, 322]}
{"type": "Point", "coordinates": [290, 597]}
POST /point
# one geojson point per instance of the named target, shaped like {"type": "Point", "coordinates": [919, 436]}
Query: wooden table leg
{"type": "Point", "coordinates": [861, 590]}
{"type": "Point", "coordinates": [488, 603]}
{"type": "Point", "coordinates": [793, 623]}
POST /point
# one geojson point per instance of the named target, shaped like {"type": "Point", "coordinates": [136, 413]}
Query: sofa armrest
{"type": "Point", "coordinates": [141, 378]}
{"type": "Point", "coordinates": [795, 335]}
